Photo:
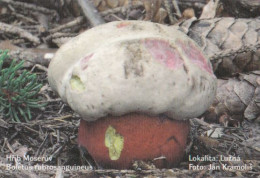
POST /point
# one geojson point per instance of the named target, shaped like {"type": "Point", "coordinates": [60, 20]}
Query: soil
{"type": "Point", "coordinates": [46, 146]}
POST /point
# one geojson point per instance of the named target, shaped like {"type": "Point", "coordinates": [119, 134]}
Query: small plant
{"type": "Point", "coordinates": [18, 90]}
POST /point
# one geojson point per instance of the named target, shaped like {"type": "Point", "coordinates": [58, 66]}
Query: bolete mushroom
{"type": "Point", "coordinates": [135, 84]}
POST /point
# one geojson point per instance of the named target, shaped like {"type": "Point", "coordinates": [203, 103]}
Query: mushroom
{"type": "Point", "coordinates": [135, 84]}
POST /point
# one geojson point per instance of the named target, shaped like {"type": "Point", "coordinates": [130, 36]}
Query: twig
{"type": "Point", "coordinates": [30, 129]}
{"type": "Point", "coordinates": [61, 108]}
{"type": "Point", "coordinates": [176, 7]}
{"type": "Point", "coordinates": [113, 11]}
{"type": "Point", "coordinates": [13, 136]}
{"type": "Point", "coordinates": [75, 22]}
{"type": "Point", "coordinates": [62, 118]}
{"type": "Point", "coordinates": [192, 3]}
{"type": "Point", "coordinates": [16, 30]}
{"type": "Point", "coordinates": [45, 69]}
{"type": "Point", "coordinates": [116, 17]}
{"type": "Point", "coordinates": [60, 35]}
{"type": "Point", "coordinates": [57, 151]}
{"type": "Point", "coordinates": [54, 100]}
{"type": "Point", "coordinates": [91, 13]}
{"type": "Point", "coordinates": [201, 122]}
{"type": "Point", "coordinates": [58, 136]}
{"type": "Point", "coordinates": [42, 144]}
{"type": "Point", "coordinates": [230, 147]}
{"type": "Point", "coordinates": [122, 9]}
{"type": "Point", "coordinates": [24, 5]}
{"type": "Point", "coordinates": [8, 145]}
{"type": "Point", "coordinates": [22, 17]}
{"type": "Point", "coordinates": [31, 55]}
{"type": "Point", "coordinates": [3, 123]}
{"type": "Point", "coordinates": [167, 5]}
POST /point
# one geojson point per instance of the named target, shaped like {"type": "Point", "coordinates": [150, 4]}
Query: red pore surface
{"type": "Point", "coordinates": [164, 53]}
{"type": "Point", "coordinates": [195, 55]}
{"type": "Point", "coordinates": [145, 138]}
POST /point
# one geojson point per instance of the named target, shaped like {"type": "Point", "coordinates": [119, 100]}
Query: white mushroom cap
{"type": "Point", "coordinates": [133, 66]}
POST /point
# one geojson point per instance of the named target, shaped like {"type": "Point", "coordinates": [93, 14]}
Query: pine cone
{"type": "Point", "coordinates": [239, 96]}
{"type": "Point", "coordinates": [233, 45]}
{"type": "Point", "coordinates": [242, 8]}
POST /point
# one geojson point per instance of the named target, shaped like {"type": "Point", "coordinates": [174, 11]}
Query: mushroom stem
{"type": "Point", "coordinates": [116, 142]}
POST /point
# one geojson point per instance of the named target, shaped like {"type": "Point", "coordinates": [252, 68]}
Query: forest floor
{"type": "Point", "coordinates": [46, 146]}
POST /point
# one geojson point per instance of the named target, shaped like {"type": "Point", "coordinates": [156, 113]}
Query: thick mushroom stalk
{"type": "Point", "coordinates": [128, 67]}
{"type": "Point", "coordinates": [117, 142]}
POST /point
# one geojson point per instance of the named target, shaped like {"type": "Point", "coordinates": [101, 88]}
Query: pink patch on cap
{"type": "Point", "coordinates": [84, 61]}
{"type": "Point", "coordinates": [122, 24]}
{"type": "Point", "coordinates": [164, 53]}
{"type": "Point", "coordinates": [195, 55]}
